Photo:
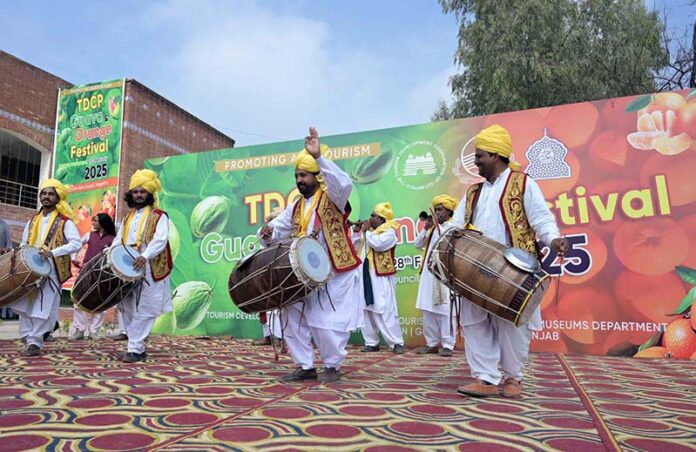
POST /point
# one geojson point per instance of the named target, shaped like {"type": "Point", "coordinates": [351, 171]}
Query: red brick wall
{"type": "Point", "coordinates": [155, 127]}
{"type": "Point", "coordinates": [28, 97]}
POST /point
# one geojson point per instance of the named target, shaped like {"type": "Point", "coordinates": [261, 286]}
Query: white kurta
{"type": "Point", "coordinates": [490, 341]}
{"type": "Point", "coordinates": [39, 311]}
{"type": "Point", "coordinates": [383, 315]}
{"type": "Point", "coordinates": [155, 296]}
{"type": "Point", "coordinates": [343, 312]}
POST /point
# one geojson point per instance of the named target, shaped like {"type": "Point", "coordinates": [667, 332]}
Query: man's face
{"type": "Point", "coordinates": [306, 183]}
{"type": "Point", "coordinates": [139, 197]}
{"type": "Point", "coordinates": [49, 197]}
{"type": "Point", "coordinates": [442, 214]}
{"type": "Point", "coordinates": [485, 162]}
{"type": "Point", "coordinates": [376, 221]}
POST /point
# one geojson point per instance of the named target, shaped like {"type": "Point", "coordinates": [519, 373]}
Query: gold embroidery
{"type": "Point", "coordinates": [160, 265]}
{"type": "Point", "coordinates": [384, 262]}
{"type": "Point", "coordinates": [512, 207]}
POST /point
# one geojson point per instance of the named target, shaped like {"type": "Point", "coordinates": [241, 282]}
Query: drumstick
{"type": "Point", "coordinates": [437, 223]}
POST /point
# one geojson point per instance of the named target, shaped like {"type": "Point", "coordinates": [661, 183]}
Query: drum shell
{"type": "Point", "coordinates": [96, 283]}
{"type": "Point", "coordinates": [516, 305]}
{"type": "Point", "coordinates": [18, 281]}
{"type": "Point", "coordinates": [273, 267]}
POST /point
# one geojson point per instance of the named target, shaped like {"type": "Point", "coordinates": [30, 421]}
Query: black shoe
{"type": "Point", "coordinates": [330, 375]}
{"type": "Point", "coordinates": [370, 348]}
{"type": "Point", "coordinates": [263, 341]}
{"type": "Point", "coordinates": [444, 351]}
{"type": "Point", "coordinates": [300, 374]}
{"type": "Point", "coordinates": [119, 337]}
{"type": "Point", "coordinates": [32, 350]}
{"type": "Point", "coordinates": [427, 350]}
{"type": "Point", "coordinates": [132, 357]}
{"type": "Point", "coordinates": [399, 349]}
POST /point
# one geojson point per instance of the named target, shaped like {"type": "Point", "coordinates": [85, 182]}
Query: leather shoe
{"type": "Point", "coordinates": [119, 337]}
{"type": "Point", "coordinates": [263, 341]}
{"type": "Point", "coordinates": [512, 388]}
{"type": "Point", "coordinates": [425, 350]}
{"type": "Point", "coordinates": [478, 389]}
{"type": "Point", "coordinates": [50, 338]}
{"type": "Point", "coordinates": [300, 374]}
{"type": "Point", "coordinates": [444, 351]}
{"type": "Point", "coordinates": [370, 348]}
{"type": "Point", "coordinates": [77, 336]}
{"type": "Point", "coordinates": [399, 349]}
{"type": "Point", "coordinates": [132, 357]}
{"type": "Point", "coordinates": [330, 375]}
{"type": "Point", "coordinates": [32, 350]}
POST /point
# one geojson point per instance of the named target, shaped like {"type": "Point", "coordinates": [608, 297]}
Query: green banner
{"type": "Point", "coordinates": [87, 151]}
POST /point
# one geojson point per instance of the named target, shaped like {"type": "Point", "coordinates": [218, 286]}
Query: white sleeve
{"type": "Point", "coordinates": [459, 217]}
{"type": "Point", "coordinates": [159, 239]}
{"type": "Point", "coordinates": [119, 235]}
{"type": "Point", "coordinates": [538, 213]}
{"type": "Point", "coordinates": [84, 239]}
{"type": "Point", "coordinates": [421, 238]}
{"type": "Point", "coordinates": [72, 237]}
{"type": "Point", "coordinates": [381, 242]}
{"type": "Point", "coordinates": [338, 183]}
{"type": "Point", "coordinates": [282, 225]}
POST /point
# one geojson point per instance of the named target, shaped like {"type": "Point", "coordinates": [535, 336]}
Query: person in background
{"type": "Point", "coordinates": [5, 238]}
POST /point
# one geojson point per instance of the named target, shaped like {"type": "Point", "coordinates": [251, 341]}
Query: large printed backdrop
{"type": "Point", "coordinates": [617, 174]}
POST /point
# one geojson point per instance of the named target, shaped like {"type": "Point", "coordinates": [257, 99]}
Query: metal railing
{"type": "Point", "coordinates": [18, 194]}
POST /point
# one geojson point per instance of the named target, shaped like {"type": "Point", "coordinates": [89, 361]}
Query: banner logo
{"type": "Point", "coordinates": [420, 165]}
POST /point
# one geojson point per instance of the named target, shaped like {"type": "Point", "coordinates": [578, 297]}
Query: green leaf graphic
{"type": "Point", "coordinates": [688, 275]}
{"type": "Point", "coordinates": [686, 302]}
{"type": "Point", "coordinates": [638, 103]}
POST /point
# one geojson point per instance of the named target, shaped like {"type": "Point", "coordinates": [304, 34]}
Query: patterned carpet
{"type": "Point", "coordinates": [196, 394]}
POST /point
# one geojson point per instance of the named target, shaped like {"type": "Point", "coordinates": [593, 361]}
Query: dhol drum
{"type": "Point", "coordinates": [106, 279]}
{"type": "Point", "coordinates": [21, 271]}
{"type": "Point", "coordinates": [507, 282]}
{"type": "Point", "coordinates": [279, 275]}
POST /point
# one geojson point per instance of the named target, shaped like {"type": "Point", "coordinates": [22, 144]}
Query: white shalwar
{"type": "Point", "coordinates": [155, 296]}
{"type": "Point", "coordinates": [383, 315]}
{"type": "Point", "coordinates": [38, 311]}
{"type": "Point", "coordinates": [437, 327]}
{"type": "Point", "coordinates": [489, 340]}
{"type": "Point", "coordinates": [330, 314]}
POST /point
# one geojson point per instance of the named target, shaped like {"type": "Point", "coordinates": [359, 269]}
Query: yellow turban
{"type": "Point", "coordinates": [447, 202]}
{"type": "Point", "coordinates": [496, 140]}
{"type": "Point", "coordinates": [384, 210]}
{"type": "Point", "coordinates": [305, 162]}
{"type": "Point", "coordinates": [148, 180]}
{"type": "Point", "coordinates": [62, 207]}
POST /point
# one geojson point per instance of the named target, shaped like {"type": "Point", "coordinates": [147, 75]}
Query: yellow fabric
{"type": "Point", "coordinates": [305, 216]}
{"type": "Point", "coordinates": [34, 239]}
{"type": "Point", "coordinates": [305, 162]}
{"type": "Point", "coordinates": [141, 225]}
{"type": "Point", "coordinates": [384, 210]}
{"type": "Point", "coordinates": [496, 140]}
{"type": "Point", "coordinates": [148, 180]}
{"type": "Point", "coordinates": [62, 207]}
{"type": "Point", "coordinates": [447, 202]}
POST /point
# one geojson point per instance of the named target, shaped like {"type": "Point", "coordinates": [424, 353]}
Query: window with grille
{"type": "Point", "coordinates": [20, 168]}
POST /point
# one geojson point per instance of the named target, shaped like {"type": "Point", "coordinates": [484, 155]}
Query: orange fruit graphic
{"type": "Point", "coordinates": [665, 101]}
{"type": "Point", "coordinates": [672, 145]}
{"type": "Point", "coordinates": [652, 352]}
{"type": "Point", "coordinates": [651, 246]}
{"type": "Point", "coordinates": [680, 338]}
{"type": "Point", "coordinates": [686, 120]}
{"type": "Point", "coordinates": [525, 127]}
{"type": "Point", "coordinates": [604, 189]}
{"type": "Point", "coordinates": [609, 150]}
{"type": "Point", "coordinates": [679, 173]}
{"type": "Point", "coordinates": [614, 115]}
{"type": "Point", "coordinates": [595, 247]}
{"type": "Point", "coordinates": [573, 124]}
{"type": "Point", "coordinates": [648, 298]}
{"type": "Point", "coordinates": [689, 224]}
{"type": "Point", "coordinates": [586, 304]}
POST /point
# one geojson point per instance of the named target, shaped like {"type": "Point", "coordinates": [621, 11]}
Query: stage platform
{"type": "Point", "coordinates": [223, 394]}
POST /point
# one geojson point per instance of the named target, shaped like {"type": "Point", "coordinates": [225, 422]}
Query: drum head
{"type": "Point", "coordinates": [35, 262]}
{"type": "Point", "coordinates": [524, 260]}
{"type": "Point", "coordinates": [312, 260]}
{"type": "Point", "coordinates": [122, 259]}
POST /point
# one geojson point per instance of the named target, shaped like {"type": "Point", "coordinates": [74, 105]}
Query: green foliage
{"type": "Point", "coordinates": [520, 55]}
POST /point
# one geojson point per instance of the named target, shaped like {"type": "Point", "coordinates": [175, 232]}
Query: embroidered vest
{"type": "Point", "coordinates": [335, 230]}
{"type": "Point", "coordinates": [519, 232]}
{"type": "Point", "coordinates": [383, 261]}
{"type": "Point", "coordinates": [160, 265]}
{"type": "Point", "coordinates": [54, 239]}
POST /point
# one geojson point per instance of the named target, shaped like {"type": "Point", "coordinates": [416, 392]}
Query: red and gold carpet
{"type": "Point", "coordinates": [195, 394]}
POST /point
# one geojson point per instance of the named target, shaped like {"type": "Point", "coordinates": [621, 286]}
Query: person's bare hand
{"type": "Point", "coordinates": [312, 143]}
{"type": "Point", "coordinates": [266, 232]}
{"type": "Point", "coordinates": [560, 245]}
{"type": "Point", "coordinates": [139, 262]}
{"type": "Point", "coordinates": [46, 254]}
{"type": "Point", "coordinates": [429, 223]}
{"type": "Point", "coordinates": [76, 263]}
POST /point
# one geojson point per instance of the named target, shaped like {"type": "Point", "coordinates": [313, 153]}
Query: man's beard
{"type": "Point", "coordinates": [306, 190]}
{"type": "Point", "coordinates": [139, 204]}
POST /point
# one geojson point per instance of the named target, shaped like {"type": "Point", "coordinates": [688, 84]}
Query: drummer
{"type": "Point", "coordinates": [329, 315]}
{"type": "Point", "coordinates": [100, 237]}
{"type": "Point", "coordinates": [489, 208]}
{"type": "Point", "coordinates": [54, 233]}
{"type": "Point", "coordinates": [433, 298]}
{"type": "Point", "coordinates": [145, 228]}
